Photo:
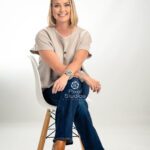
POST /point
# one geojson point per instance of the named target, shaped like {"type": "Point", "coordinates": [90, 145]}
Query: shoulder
{"type": "Point", "coordinates": [46, 30]}
{"type": "Point", "coordinates": [83, 32]}
{"type": "Point", "coordinates": [44, 33]}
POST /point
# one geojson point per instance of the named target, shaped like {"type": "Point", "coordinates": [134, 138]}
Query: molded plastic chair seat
{"type": "Point", "coordinates": [39, 94]}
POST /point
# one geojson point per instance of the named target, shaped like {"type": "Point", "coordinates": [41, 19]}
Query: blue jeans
{"type": "Point", "coordinates": [72, 107]}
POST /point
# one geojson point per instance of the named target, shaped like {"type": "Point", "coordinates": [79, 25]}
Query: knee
{"type": "Point", "coordinates": [74, 84]}
{"type": "Point", "coordinates": [74, 80]}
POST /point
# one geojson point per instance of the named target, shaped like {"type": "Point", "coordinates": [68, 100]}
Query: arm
{"type": "Point", "coordinates": [78, 60]}
{"type": "Point", "coordinates": [74, 66]}
{"type": "Point", "coordinates": [53, 62]}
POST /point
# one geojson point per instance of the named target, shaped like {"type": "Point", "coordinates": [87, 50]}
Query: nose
{"type": "Point", "coordinates": [62, 8]}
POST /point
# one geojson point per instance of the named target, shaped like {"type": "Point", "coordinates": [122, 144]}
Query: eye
{"type": "Point", "coordinates": [56, 6]}
{"type": "Point", "coordinates": [67, 5]}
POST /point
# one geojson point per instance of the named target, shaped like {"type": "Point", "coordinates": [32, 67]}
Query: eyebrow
{"type": "Point", "coordinates": [64, 3]}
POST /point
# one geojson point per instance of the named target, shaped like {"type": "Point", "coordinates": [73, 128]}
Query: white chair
{"type": "Point", "coordinates": [50, 113]}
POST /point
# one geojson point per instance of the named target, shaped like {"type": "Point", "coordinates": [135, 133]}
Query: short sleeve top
{"type": "Point", "coordinates": [64, 47]}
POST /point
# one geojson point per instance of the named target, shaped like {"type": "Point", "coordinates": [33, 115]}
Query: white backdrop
{"type": "Point", "coordinates": [121, 51]}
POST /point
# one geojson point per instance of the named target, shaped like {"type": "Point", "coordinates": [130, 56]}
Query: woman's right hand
{"type": "Point", "coordinates": [93, 84]}
{"type": "Point", "coordinates": [60, 83]}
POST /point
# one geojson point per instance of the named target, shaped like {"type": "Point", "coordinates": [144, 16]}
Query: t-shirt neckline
{"type": "Point", "coordinates": [68, 36]}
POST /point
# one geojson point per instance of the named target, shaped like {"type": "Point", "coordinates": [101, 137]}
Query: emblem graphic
{"type": "Point", "coordinates": [74, 85]}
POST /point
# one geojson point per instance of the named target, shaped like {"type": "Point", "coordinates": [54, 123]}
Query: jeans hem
{"type": "Point", "coordinates": [68, 140]}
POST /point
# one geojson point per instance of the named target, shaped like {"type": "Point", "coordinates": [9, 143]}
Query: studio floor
{"type": "Point", "coordinates": [25, 136]}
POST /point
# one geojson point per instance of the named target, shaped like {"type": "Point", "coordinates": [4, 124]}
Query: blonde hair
{"type": "Point", "coordinates": [73, 18]}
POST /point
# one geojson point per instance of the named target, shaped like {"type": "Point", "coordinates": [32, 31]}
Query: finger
{"type": "Point", "coordinates": [54, 90]}
{"type": "Point", "coordinates": [53, 87]}
{"type": "Point", "coordinates": [98, 85]}
{"type": "Point", "coordinates": [98, 89]}
{"type": "Point", "coordinates": [95, 89]}
{"type": "Point", "coordinates": [61, 88]}
{"type": "Point", "coordinates": [64, 86]}
{"type": "Point", "coordinates": [58, 87]}
{"type": "Point", "coordinates": [92, 87]}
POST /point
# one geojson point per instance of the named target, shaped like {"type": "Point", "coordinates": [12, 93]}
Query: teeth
{"type": "Point", "coordinates": [62, 15]}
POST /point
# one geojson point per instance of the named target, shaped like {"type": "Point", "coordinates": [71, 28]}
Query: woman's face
{"type": "Point", "coordinates": [61, 10]}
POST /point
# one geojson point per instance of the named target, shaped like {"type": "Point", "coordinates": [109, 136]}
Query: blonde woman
{"type": "Point", "coordinates": [63, 47]}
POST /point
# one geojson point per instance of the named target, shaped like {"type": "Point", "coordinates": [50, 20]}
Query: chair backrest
{"type": "Point", "coordinates": [38, 89]}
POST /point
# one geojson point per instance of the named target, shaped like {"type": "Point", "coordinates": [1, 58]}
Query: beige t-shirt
{"type": "Point", "coordinates": [65, 48]}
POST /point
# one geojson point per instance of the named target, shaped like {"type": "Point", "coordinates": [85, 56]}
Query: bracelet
{"type": "Point", "coordinates": [69, 73]}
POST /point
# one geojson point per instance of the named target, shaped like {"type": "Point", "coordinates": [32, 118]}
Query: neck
{"type": "Point", "coordinates": [62, 27]}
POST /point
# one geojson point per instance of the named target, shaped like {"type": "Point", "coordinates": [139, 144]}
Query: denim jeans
{"type": "Point", "coordinates": [72, 107]}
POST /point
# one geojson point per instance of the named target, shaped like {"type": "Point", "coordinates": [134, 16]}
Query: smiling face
{"type": "Point", "coordinates": [61, 11]}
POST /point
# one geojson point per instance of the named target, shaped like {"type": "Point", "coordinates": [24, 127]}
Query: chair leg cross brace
{"type": "Point", "coordinates": [51, 127]}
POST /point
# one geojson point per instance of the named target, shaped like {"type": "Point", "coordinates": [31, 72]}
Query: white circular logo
{"type": "Point", "coordinates": [75, 85]}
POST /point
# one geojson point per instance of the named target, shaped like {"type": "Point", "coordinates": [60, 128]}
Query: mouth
{"type": "Point", "coordinates": [62, 15]}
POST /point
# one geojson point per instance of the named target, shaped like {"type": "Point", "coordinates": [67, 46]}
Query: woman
{"type": "Point", "coordinates": [63, 47]}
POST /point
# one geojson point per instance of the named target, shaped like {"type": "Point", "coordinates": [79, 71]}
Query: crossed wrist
{"type": "Point", "coordinates": [68, 73]}
{"type": "Point", "coordinates": [81, 75]}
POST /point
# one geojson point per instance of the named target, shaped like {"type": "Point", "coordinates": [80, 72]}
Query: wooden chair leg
{"type": "Point", "coordinates": [44, 130]}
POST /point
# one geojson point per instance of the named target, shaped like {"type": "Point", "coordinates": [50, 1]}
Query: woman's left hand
{"type": "Point", "coordinates": [60, 84]}
{"type": "Point", "coordinates": [93, 84]}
